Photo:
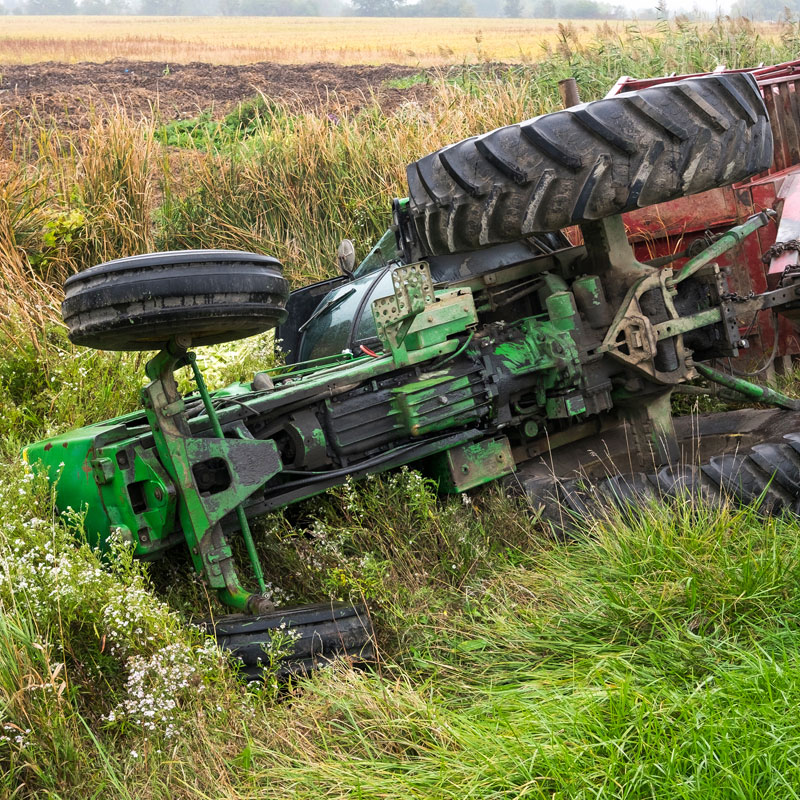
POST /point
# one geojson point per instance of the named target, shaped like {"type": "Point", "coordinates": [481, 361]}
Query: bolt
{"type": "Point", "coordinates": [531, 429]}
{"type": "Point", "coordinates": [158, 494]}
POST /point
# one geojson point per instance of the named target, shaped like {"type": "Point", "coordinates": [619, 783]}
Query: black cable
{"type": "Point", "coordinates": [317, 477]}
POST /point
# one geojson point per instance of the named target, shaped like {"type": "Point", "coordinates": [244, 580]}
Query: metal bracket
{"type": "Point", "coordinates": [633, 338]}
{"type": "Point", "coordinates": [249, 464]}
{"type": "Point", "coordinates": [416, 317]}
{"type": "Point", "coordinates": [413, 293]}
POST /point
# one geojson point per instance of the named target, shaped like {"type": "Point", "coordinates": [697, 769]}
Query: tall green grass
{"type": "Point", "coordinates": [646, 657]}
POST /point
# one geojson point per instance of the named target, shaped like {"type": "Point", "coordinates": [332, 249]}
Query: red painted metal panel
{"type": "Point", "coordinates": [669, 227]}
{"type": "Point", "coordinates": [763, 75]}
{"type": "Point", "coordinates": [788, 228]}
{"type": "Point", "coordinates": [685, 215]}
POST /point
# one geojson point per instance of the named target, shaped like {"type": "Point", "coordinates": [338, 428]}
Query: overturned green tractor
{"type": "Point", "coordinates": [474, 341]}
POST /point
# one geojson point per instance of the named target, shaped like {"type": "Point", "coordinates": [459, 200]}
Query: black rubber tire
{"type": "Point", "coordinates": [590, 161]}
{"type": "Point", "coordinates": [326, 631]}
{"type": "Point", "coordinates": [140, 302]}
{"type": "Point", "coordinates": [755, 461]}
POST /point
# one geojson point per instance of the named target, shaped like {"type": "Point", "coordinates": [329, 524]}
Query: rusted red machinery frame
{"type": "Point", "coordinates": [671, 227]}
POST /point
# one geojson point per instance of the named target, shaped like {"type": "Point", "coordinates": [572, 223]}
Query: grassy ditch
{"type": "Point", "coordinates": [652, 655]}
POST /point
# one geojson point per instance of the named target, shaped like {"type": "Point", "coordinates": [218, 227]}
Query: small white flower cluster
{"type": "Point", "coordinates": [352, 498]}
{"type": "Point", "coordinates": [133, 618]}
{"type": "Point", "coordinates": [280, 644]}
{"type": "Point", "coordinates": [56, 580]}
{"type": "Point", "coordinates": [278, 595]}
{"type": "Point", "coordinates": [155, 684]}
{"type": "Point", "coordinates": [13, 735]}
{"type": "Point", "coordinates": [327, 542]}
{"type": "Point", "coordinates": [410, 482]}
{"type": "Point", "coordinates": [47, 578]}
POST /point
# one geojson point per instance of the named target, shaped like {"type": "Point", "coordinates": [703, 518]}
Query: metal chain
{"type": "Point", "coordinates": [780, 247]}
{"type": "Point", "coordinates": [734, 297]}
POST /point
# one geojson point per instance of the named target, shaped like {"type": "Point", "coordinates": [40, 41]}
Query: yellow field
{"type": "Point", "coordinates": [241, 40]}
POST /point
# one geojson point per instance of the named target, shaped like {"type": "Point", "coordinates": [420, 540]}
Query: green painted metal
{"type": "Point", "coordinates": [728, 240]}
{"type": "Point", "coordinates": [314, 365]}
{"type": "Point", "coordinates": [117, 486]}
{"type": "Point", "coordinates": [542, 346]}
{"type": "Point", "coordinates": [469, 465]}
{"type": "Point", "coordinates": [761, 394]}
{"type": "Point", "coordinates": [157, 498]}
{"type": "Point", "coordinates": [458, 381]}
{"type": "Point", "coordinates": [561, 310]}
{"type": "Point", "coordinates": [200, 513]}
{"type": "Point", "coordinates": [416, 317]}
{"type": "Point", "coordinates": [531, 429]}
{"type": "Point", "coordinates": [435, 403]}
{"type": "Point", "coordinates": [240, 515]}
{"type": "Point", "coordinates": [691, 322]}
{"type": "Point", "coordinates": [565, 406]}
{"type": "Point", "coordinates": [591, 285]}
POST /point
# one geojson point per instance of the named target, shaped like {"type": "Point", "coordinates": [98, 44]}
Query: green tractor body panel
{"type": "Point", "coordinates": [103, 473]}
{"type": "Point", "coordinates": [435, 395]}
{"type": "Point", "coordinates": [466, 379]}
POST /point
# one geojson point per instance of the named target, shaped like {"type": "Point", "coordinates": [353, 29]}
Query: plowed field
{"type": "Point", "coordinates": [68, 93]}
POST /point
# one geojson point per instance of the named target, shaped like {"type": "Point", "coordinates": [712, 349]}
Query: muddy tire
{"type": "Point", "coordinates": [590, 161]}
{"type": "Point", "coordinates": [139, 303]}
{"type": "Point", "coordinates": [323, 633]}
{"type": "Point", "coordinates": [747, 457]}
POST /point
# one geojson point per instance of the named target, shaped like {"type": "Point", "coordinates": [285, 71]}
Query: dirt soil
{"type": "Point", "coordinates": [68, 93]}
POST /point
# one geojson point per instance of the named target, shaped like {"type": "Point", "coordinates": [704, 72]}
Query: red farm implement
{"type": "Point", "coordinates": [685, 226]}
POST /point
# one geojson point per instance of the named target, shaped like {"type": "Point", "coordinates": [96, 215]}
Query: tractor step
{"type": "Point", "coordinates": [323, 632]}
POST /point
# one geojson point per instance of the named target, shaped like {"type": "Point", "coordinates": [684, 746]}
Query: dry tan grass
{"type": "Point", "coordinates": [241, 40]}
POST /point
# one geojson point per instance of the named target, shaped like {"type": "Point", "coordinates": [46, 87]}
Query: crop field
{"type": "Point", "coordinates": [292, 40]}
{"type": "Point", "coordinates": [650, 655]}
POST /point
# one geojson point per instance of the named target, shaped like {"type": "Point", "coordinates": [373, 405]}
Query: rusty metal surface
{"type": "Point", "coordinates": [670, 227]}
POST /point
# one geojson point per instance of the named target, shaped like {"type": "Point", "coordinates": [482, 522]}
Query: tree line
{"type": "Point", "coordinates": [547, 9]}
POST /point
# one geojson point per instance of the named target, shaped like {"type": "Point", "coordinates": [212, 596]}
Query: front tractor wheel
{"type": "Point", "coordinates": [141, 302]}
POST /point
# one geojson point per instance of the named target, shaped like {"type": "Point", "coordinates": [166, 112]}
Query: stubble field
{"type": "Point", "coordinates": [289, 40]}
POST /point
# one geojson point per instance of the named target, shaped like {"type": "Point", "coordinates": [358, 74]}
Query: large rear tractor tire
{"type": "Point", "coordinates": [140, 302]}
{"type": "Point", "coordinates": [590, 161]}
{"type": "Point", "coordinates": [747, 457]}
